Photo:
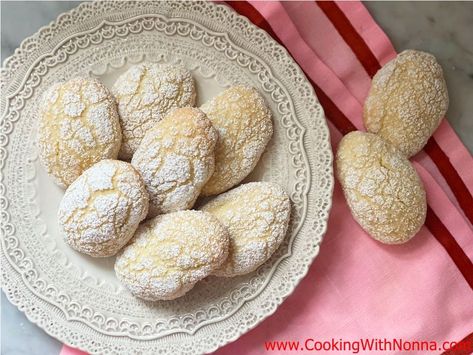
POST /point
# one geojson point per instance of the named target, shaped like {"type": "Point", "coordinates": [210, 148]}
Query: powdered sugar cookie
{"type": "Point", "coordinates": [145, 93]}
{"type": "Point", "coordinates": [101, 210]}
{"type": "Point", "coordinates": [170, 253]}
{"type": "Point", "coordinates": [256, 216]}
{"type": "Point", "coordinates": [245, 127]}
{"type": "Point", "coordinates": [78, 127]}
{"type": "Point", "coordinates": [407, 100]}
{"type": "Point", "coordinates": [175, 159]}
{"type": "Point", "coordinates": [383, 190]}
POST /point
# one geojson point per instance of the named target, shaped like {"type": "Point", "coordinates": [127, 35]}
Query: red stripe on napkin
{"type": "Point", "coordinates": [351, 36]}
{"type": "Point", "coordinates": [445, 238]}
{"type": "Point", "coordinates": [464, 348]}
{"type": "Point", "coordinates": [452, 177]}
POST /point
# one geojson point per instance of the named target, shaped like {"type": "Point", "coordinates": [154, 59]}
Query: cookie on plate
{"type": "Point", "coordinates": [257, 217]}
{"type": "Point", "coordinates": [101, 210]}
{"type": "Point", "coordinates": [243, 121]}
{"type": "Point", "coordinates": [176, 159]}
{"type": "Point", "coordinates": [170, 253]}
{"type": "Point", "coordinates": [78, 127]}
{"type": "Point", "coordinates": [145, 93]}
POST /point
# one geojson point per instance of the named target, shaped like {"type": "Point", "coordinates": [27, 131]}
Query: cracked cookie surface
{"type": "Point", "coordinates": [407, 100]}
{"type": "Point", "coordinates": [175, 159]}
{"type": "Point", "coordinates": [244, 124]}
{"type": "Point", "coordinates": [145, 93]}
{"type": "Point", "coordinates": [382, 188]}
{"type": "Point", "coordinates": [257, 217]}
{"type": "Point", "coordinates": [78, 127]}
{"type": "Point", "coordinates": [170, 253]}
{"type": "Point", "coordinates": [101, 210]}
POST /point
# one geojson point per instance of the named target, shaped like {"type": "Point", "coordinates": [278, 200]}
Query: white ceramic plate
{"type": "Point", "coordinates": [77, 299]}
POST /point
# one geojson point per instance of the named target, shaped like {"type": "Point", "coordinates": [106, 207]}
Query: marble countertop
{"type": "Point", "coordinates": [418, 25]}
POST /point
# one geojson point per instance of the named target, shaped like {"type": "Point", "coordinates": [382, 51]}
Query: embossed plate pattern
{"type": "Point", "coordinates": [78, 299]}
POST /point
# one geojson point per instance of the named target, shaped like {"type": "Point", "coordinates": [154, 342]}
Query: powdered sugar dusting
{"type": "Point", "coordinates": [245, 127]}
{"type": "Point", "coordinates": [73, 106]}
{"type": "Point", "coordinates": [407, 100]}
{"type": "Point", "coordinates": [170, 253]}
{"type": "Point", "coordinates": [175, 159]}
{"type": "Point", "coordinates": [101, 210]}
{"type": "Point", "coordinates": [382, 188]}
{"type": "Point", "coordinates": [79, 126]}
{"type": "Point", "coordinates": [104, 129]}
{"type": "Point", "coordinates": [257, 216]}
{"type": "Point", "coordinates": [145, 94]}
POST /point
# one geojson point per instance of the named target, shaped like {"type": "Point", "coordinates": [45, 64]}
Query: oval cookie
{"type": "Point", "coordinates": [101, 210]}
{"type": "Point", "coordinates": [383, 190]}
{"type": "Point", "coordinates": [256, 216]}
{"type": "Point", "coordinates": [145, 93]}
{"type": "Point", "coordinates": [78, 127]}
{"type": "Point", "coordinates": [170, 253]}
{"type": "Point", "coordinates": [244, 124]}
{"type": "Point", "coordinates": [175, 159]}
{"type": "Point", "coordinates": [407, 100]}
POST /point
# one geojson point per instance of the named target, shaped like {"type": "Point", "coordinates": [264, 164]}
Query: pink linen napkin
{"type": "Point", "coordinates": [358, 288]}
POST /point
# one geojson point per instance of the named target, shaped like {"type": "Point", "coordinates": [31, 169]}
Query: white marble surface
{"type": "Point", "coordinates": [444, 29]}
